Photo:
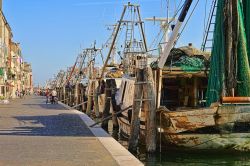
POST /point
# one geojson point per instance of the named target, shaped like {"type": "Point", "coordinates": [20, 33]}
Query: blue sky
{"type": "Point", "coordinates": [51, 32]}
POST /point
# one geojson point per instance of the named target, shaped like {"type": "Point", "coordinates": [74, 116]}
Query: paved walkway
{"type": "Point", "coordinates": [33, 133]}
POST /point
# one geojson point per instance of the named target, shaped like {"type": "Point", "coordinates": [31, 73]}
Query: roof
{"type": "Point", "coordinates": [192, 51]}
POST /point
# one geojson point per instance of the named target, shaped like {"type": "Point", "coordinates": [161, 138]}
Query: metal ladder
{"type": "Point", "coordinates": [129, 36]}
{"type": "Point", "coordinates": [207, 43]}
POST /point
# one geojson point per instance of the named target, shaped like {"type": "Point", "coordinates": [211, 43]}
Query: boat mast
{"type": "Point", "coordinates": [108, 44]}
{"type": "Point", "coordinates": [92, 79]}
{"type": "Point", "coordinates": [113, 42]}
{"type": "Point", "coordinates": [134, 8]}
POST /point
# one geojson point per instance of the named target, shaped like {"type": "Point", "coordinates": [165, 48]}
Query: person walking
{"type": "Point", "coordinates": [47, 96]}
{"type": "Point", "coordinates": [17, 93]}
{"type": "Point", "coordinates": [53, 95]}
{"type": "Point", "coordinates": [24, 93]}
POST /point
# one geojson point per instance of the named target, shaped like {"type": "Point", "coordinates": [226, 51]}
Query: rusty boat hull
{"type": "Point", "coordinates": [192, 129]}
{"type": "Point", "coordinates": [225, 126]}
{"type": "Point", "coordinates": [222, 127]}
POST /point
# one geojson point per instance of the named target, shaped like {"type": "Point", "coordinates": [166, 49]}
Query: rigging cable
{"type": "Point", "coordinates": [158, 35]}
{"type": "Point", "coordinates": [177, 11]}
{"type": "Point", "coordinates": [187, 21]}
{"type": "Point", "coordinates": [205, 18]}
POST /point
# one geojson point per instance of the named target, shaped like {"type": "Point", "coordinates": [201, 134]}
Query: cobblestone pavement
{"type": "Point", "coordinates": [35, 133]}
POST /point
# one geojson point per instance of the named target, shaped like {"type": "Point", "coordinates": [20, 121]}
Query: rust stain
{"type": "Point", "coordinates": [189, 120]}
{"type": "Point", "coordinates": [180, 140]}
{"type": "Point", "coordinates": [183, 122]}
{"type": "Point", "coordinates": [177, 140]}
{"type": "Point", "coordinates": [191, 123]}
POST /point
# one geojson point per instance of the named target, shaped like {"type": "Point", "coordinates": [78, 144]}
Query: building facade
{"type": "Point", "coordinates": [15, 74]}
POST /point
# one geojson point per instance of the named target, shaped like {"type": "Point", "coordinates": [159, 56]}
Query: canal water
{"type": "Point", "coordinates": [187, 158]}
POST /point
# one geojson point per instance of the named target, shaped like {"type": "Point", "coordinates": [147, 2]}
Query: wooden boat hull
{"type": "Point", "coordinates": [226, 127]}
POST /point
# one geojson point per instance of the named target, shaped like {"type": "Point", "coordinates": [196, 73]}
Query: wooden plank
{"type": "Point", "coordinates": [129, 93]}
{"type": "Point", "coordinates": [120, 92]}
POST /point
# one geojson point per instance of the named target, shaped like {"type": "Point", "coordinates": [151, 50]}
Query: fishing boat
{"type": "Point", "coordinates": [224, 123]}
{"type": "Point", "coordinates": [184, 80]}
{"type": "Point", "coordinates": [204, 106]}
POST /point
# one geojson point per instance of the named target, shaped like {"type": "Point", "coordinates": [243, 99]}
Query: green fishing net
{"type": "Point", "coordinates": [217, 74]}
{"type": "Point", "coordinates": [243, 70]}
{"type": "Point", "coordinates": [246, 11]}
{"type": "Point", "coordinates": [190, 63]}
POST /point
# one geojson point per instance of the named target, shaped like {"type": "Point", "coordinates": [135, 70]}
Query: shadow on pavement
{"type": "Point", "coordinates": [52, 125]}
{"type": "Point", "coordinates": [48, 106]}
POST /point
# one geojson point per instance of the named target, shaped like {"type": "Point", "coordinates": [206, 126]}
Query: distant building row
{"type": "Point", "coordinates": [15, 74]}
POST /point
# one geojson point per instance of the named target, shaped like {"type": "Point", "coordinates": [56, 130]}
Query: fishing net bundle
{"type": "Point", "coordinates": [216, 82]}
{"type": "Point", "coordinates": [246, 12]}
{"type": "Point", "coordinates": [188, 59]}
{"type": "Point", "coordinates": [243, 71]}
{"type": "Point", "coordinates": [190, 63]}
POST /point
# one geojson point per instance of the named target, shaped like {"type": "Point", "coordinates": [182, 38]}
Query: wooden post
{"type": "Point", "coordinates": [107, 104]}
{"type": "Point", "coordinates": [159, 86]}
{"type": "Point", "coordinates": [150, 110]}
{"type": "Point", "coordinates": [79, 95]}
{"type": "Point", "coordinates": [114, 107]}
{"type": "Point", "coordinates": [155, 80]}
{"type": "Point", "coordinates": [60, 94]}
{"type": "Point", "coordinates": [67, 96]}
{"type": "Point", "coordinates": [114, 117]}
{"type": "Point", "coordinates": [57, 91]}
{"type": "Point", "coordinates": [76, 94]}
{"type": "Point", "coordinates": [90, 97]}
{"type": "Point", "coordinates": [64, 94]}
{"type": "Point", "coordinates": [195, 92]}
{"type": "Point", "coordinates": [96, 92]}
{"type": "Point", "coordinates": [70, 97]}
{"type": "Point", "coordinates": [135, 123]}
{"type": "Point", "coordinates": [83, 93]}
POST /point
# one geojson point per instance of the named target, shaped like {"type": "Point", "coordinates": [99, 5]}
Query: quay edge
{"type": "Point", "coordinates": [121, 155]}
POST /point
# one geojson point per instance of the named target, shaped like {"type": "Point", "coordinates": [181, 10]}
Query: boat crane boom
{"type": "Point", "coordinates": [174, 35]}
